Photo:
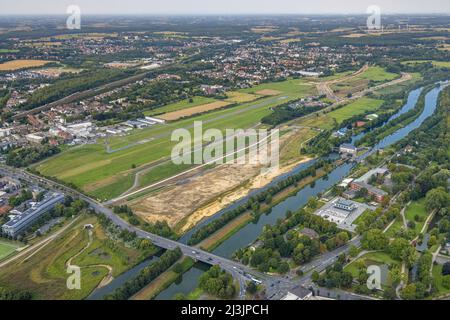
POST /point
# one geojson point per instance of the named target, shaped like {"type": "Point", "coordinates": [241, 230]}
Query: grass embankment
{"type": "Point", "coordinates": [329, 120]}
{"type": "Point", "coordinates": [437, 277]}
{"type": "Point", "coordinates": [372, 258]}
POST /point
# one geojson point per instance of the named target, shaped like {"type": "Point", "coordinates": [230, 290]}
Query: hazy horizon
{"type": "Point", "coordinates": [230, 7]}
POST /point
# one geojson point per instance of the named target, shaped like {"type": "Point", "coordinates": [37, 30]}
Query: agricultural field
{"type": "Point", "coordinates": [328, 120]}
{"type": "Point", "coordinates": [22, 64]}
{"type": "Point", "coordinates": [290, 151]}
{"type": "Point", "coordinates": [172, 116]}
{"type": "Point", "coordinates": [106, 175]}
{"type": "Point", "coordinates": [444, 47]}
{"type": "Point", "coordinates": [183, 104]}
{"type": "Point", "coordinates": [7, 248]}
{"type": "Point", "coordinates": [45, 275]}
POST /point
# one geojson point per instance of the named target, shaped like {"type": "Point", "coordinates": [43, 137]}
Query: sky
{"type": "Point", "coordinates": [156, 7]}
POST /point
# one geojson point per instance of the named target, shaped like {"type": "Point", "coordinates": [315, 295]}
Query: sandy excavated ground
{"type": "Point", "coordinates": [176, 203]}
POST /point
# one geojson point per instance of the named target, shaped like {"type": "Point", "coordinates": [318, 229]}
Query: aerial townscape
{"type": "Point", "coordinates": [95, 206]}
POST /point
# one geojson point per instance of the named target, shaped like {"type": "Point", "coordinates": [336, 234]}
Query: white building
{"type": "Point", "coordinates": [34, 138]}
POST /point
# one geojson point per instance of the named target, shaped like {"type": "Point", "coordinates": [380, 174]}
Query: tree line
{"type": "Point", "coordinates": [146, 276]}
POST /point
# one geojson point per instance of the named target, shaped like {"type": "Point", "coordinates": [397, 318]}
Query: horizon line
{"type": "Point", "coordinates": [227, 14]}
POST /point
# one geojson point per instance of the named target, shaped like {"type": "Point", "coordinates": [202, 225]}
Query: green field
{"type": "Point", "coordinates": [440, 64]}
{"type": "Point", "coordinates": [401, 87]}
{"type": "Point", "coordinates": [7, 248]}
{"type": "Point", "coordinates": [396, 227]}
{"type": "Point", "coordinates": [377, 74]}
{"type": "Point", "coordinates": [328, 120]}
{"type": "Point", "coordinates": [360, 82]}
{"type": "Point", "coordinates": [437, 276]}
{"type": "Point", "coordinates": [373, 258]}
{"type": "Point", "coordinates": [183, 104]}
{"type": "Point", "coordinates": [106, 175]}
{"type": "Point", "coordinates": [417, 208]}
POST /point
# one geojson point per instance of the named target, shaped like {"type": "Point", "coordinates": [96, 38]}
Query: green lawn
{"type": "Point", "coordinates": [397, 226]}
{"type": "Point", "coordinates": [417, 208]}
{"type": "Point", "coordinates": [7, 248]}
{"type": "Point", "coordinates": [361, 81]}
{"type": "Point", "coordinates": [183, 104]}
